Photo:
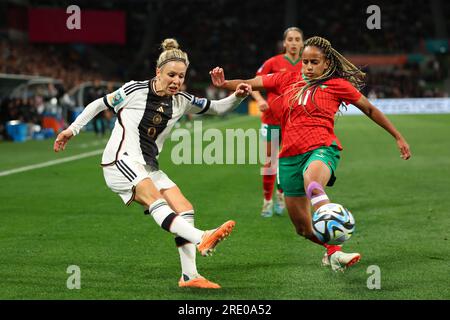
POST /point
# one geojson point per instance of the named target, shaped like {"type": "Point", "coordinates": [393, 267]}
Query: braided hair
{"type": "Point", "coordinates": [339, 67]}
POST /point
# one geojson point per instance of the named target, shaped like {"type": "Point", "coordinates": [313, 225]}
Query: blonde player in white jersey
{"type": "Point", "coordinates": [146, 112]}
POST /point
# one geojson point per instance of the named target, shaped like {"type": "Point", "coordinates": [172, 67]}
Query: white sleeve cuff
{"type": "Point", "coordinates": [225, 105]}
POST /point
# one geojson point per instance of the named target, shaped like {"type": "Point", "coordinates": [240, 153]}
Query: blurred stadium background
{"type": "Point", "coordinates": [407, 58]}
{"type": "Point", "coordinates": [62, 215]}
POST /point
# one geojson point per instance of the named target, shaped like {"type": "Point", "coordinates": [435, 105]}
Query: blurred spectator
{"type": "Point", "coordinates": [55, 61]}
{"type": "Point", "coordinates": [407, 81]}
{"type": "Point", "coordinates": [99, 121]}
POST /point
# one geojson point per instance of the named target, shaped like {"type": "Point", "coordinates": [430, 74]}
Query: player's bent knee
{"type": "Point", "coordinates": [146, 193]}
{"type": "Point", "coordinates": [145, 199]}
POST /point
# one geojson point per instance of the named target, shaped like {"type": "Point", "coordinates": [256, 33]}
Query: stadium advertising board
{"type": "Point", "coordinates": [408, 106]}
{"type": "Point", "coordinates": [95, 26]}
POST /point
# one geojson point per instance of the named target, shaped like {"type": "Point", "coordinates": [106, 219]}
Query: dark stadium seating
{"type": "Point", "coordinates": [239, 36]}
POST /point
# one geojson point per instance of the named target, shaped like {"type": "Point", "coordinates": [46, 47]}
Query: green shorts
{"type": "Point", "coordinates": [268, 129]}
{"type": "Point", "coordinates": [292, 169]}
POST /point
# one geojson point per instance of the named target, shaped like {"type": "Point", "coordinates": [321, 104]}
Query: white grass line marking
{"type": "Point", "coordinates": [92, 144]}
{"type": "Point", "coordinates": [51, 163]}
{"type": "Point", "coordinates": [100, 151]}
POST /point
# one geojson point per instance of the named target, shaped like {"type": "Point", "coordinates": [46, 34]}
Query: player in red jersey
{"type": "Point", "coordinates": [271, 113]}
{"type": "Point", "coordinates": [311, 151]}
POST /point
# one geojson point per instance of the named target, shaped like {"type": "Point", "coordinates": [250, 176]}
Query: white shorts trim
{"type": "Point", "coordinates": [123, 177]}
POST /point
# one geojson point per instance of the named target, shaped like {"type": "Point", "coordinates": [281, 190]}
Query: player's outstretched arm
{"type": "Point", "coordinates": [87, 115]}
{"type": "Point", "coordinates": [218, 80]}
{"type": "Point", "coordinates": [378, 117]}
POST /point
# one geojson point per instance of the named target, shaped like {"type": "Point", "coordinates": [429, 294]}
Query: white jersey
{"type": "Point", "coordinates": [145, 119]}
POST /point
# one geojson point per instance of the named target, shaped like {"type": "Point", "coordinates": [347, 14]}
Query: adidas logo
{"type": "Point", "coordinates": [160, 109]}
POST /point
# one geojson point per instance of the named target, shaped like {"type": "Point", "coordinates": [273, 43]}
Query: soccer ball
{"type": "Point", "coordinates": [333, 224]}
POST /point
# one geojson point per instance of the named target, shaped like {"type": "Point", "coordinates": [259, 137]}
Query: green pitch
{"type": "Point", "coordinates": [63, 215]}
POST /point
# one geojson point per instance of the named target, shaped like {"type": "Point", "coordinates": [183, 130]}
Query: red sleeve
{"type": "Point", "coordinates": [266, 68]}
{"type": "Point", "coordinates": [277, 82]}
{"type": "Point", "coordinates": [347, 92]}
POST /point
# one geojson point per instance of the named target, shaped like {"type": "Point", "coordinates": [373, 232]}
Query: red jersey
{"type": "Point", "coordinates": [308, 125]}
{"type": "Point", "coordinates": [279, 63]}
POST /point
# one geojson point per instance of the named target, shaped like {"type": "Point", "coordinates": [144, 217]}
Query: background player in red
{"type": "Point", "coordinates": [271, 113]}
{"type": "Point", "coordinates": [311, 151]}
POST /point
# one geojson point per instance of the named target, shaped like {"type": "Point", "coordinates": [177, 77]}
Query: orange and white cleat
{"type": "Point", "coordinates": [211, 238]}
{"type": "Point", "coordinates": [198, 282]}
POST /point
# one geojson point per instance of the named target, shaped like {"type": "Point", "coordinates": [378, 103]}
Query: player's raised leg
{"type": "Point", "coordinates": [187, 250]}
{"type": "Point", "coordinates": [147, 195]}
{"type": "Point", "coordinates": [316, 176]}
{"type": "Point", "coordinates": [300, 214]}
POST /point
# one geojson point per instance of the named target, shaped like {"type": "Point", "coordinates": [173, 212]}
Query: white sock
{"type": "Point", "coordinates": [188, 251]}
{"type": "Point", "coordinates": [169, 221]}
